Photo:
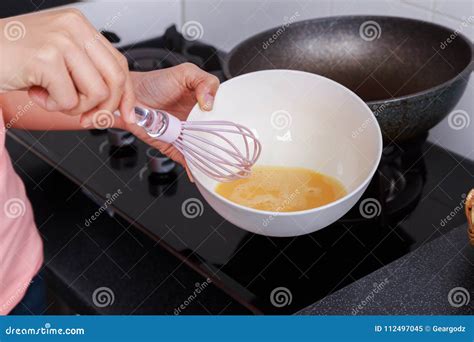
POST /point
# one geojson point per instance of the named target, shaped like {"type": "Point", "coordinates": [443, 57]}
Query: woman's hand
{"type": "Point", "coordinates": [65, 65]}
{"type": "Point", "coordinates": [175, 90]}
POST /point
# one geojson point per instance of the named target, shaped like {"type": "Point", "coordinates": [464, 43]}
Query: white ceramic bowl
{"type": "Point", "coordinates": [302, 120]}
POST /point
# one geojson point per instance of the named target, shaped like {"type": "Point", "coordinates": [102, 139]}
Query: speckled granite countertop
{"type": "Point", "coordinates": [417, 284]}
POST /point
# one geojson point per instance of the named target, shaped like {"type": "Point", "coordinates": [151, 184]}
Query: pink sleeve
{"type": "Point", "coordinates": [21, 249]}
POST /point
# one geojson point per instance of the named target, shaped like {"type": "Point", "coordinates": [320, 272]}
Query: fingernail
{"type": "Point", "coordinates": [208, 102]}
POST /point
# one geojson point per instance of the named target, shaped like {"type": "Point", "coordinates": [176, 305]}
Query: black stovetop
{"type": "Point", "coordinates": [252, 267]}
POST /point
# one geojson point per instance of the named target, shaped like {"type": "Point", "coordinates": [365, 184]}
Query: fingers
{"type": "Point", "coordinates": [170, 151]}
{"type": "Point", "coordinates": [114, 70]}
{"type": "Point", "coordinates": [203, 84]}
{"type": "Point", "coordinates": [88, 81]}
{"type": "Point", "coordinates": [111, 66]}
{"type": "Point", "coordinates": [188, 172]}
{"type": "Point", "coordinates": [125, 100]}
{"type": "Point", "coordinates": [128, 100]}
{"type": "Point", "coordinates": [68, 66]}
{"type": "Point", "coordinates": [56, 91]}
{"type": "Point", "coordinates": [112, 74]}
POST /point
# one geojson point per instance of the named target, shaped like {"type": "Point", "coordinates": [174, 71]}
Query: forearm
{"type": "Point", "coordinates": [22, 113]}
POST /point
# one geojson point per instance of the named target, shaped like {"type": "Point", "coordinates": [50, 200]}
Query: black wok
{"type": "Point", "coordinates": [411, 73]}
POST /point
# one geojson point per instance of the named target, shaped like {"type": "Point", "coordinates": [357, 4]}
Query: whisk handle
{"type": "Point", "coordinates": [173, 131]}
{"type": "Point", "coordinates": [159, 124]}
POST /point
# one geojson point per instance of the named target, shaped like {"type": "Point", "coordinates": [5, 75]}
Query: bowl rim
{"type": "Point", "coordinates": [323, 207]}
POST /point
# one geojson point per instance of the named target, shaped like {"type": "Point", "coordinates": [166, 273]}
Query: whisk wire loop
{"type": "Point", "coordinates": [222, 150]}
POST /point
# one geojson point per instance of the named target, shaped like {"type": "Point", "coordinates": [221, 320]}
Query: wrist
{"type": "Point", "coordinates": [136, 76]}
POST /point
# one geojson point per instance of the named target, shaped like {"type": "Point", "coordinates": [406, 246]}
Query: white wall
{"type": "Point", "coordinates": [227, 22]}
{"type": "Point", "coordinates": [133, 20]}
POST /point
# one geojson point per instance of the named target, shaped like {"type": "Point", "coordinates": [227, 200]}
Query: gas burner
{"type": "Point", "coordinates": [95, 132]}
{"type": "Point", "coordinates": [124, 157]}
{"type": "Point", "coordinates": [158, 163]}
{"type": "Point", "coordinates": [400, 189]}
{"type": "Point", "coordinates": [391, 153]}
{"type": "Point", "coordinates": [163, 183]}
{"type": "Point", "coordinates": [397, 185]}
{"type": "Point", "coordinates": [163, 176]}
{"type": "Point", "coordinates": [148, 59]}
{"type": "Point", "coordinates": [208, 55]}
{"type": "Point", "coordinates": [395, 180]}
{"type": "Point", "coordinates": [120, 138]}
{"type": "Point", "coordinates": [172, 49]}
{"type": "Point", "coordinates": [122, 152]}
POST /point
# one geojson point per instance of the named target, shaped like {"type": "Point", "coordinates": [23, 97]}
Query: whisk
{"type": "Point", "coordinates": [222, 150]}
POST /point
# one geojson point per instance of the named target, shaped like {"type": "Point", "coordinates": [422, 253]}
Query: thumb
{"type": "Point", "coordinates": [205, 93]}
{"type": "Point", "coordinates": [203, 84]}
{"type": "Point", "coordinates": [206, 90]}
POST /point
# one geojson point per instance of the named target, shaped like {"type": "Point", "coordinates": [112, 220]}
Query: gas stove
{"type": "Point", "coordinates": [417, 185]}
